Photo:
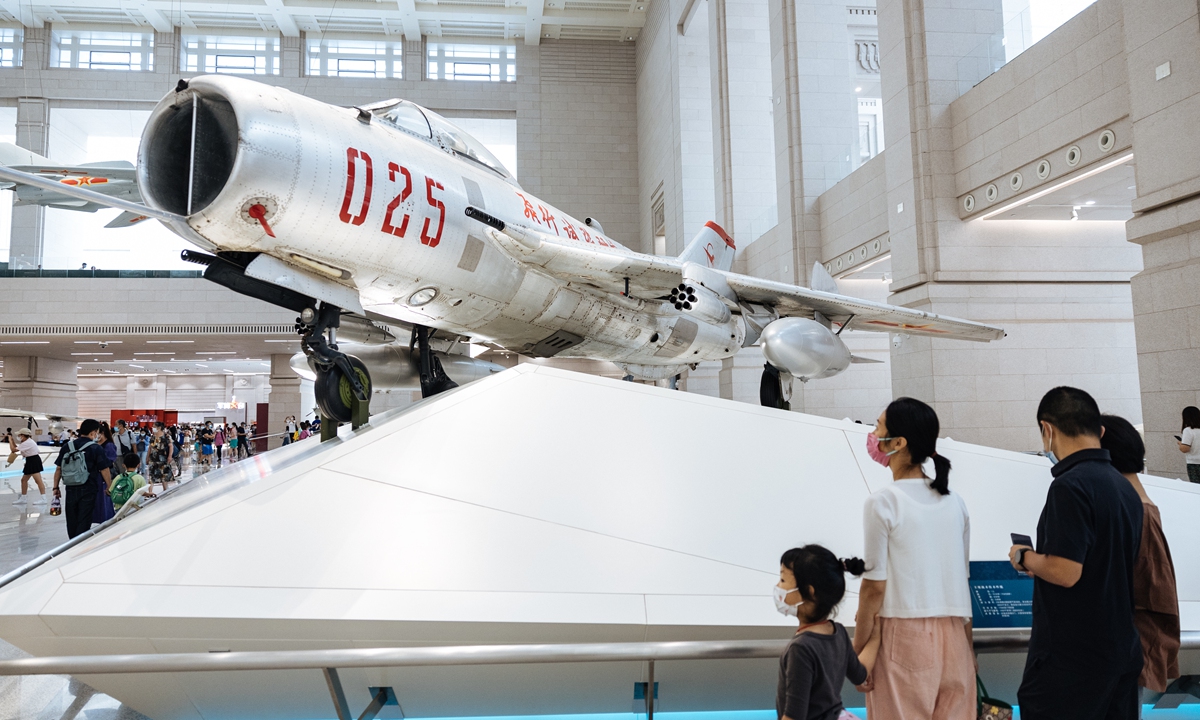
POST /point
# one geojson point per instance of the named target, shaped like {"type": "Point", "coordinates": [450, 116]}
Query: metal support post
{"type": "Point", "coordinates": [329, 428]}
{"type": "Point", "coordinates": [377, 703]}
{"type": "Point", "coordinates": [359, 412]}
{"type": "Point", "coordinates": [650, 693]}
{"type": "Point", "coordinates": [337, 693]}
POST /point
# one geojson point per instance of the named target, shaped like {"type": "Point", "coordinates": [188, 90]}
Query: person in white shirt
{"type": "Point", "coordinates": [1189, 442]}
{"type": "Point", "coordinates": [917, 537]}
{"type": "Point", "coordinates": [33, 464]}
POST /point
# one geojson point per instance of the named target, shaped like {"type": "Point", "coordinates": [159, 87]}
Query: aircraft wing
{"type": "Point", "coordinates": [857, 314]}
{"type": "Point", "coordinates": [651, 275]}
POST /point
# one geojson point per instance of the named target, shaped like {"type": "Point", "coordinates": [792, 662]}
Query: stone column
{"type": "Point", "coordinates": [1166, 294]}
{"type": "Point", "coordinates": [1066, 313]}
{"type": "Point", "coordinates": [743, 156]}
{"type": "Point", "coordinates": [284, 399]}
{"type": "Point", "coordinates": [28, 221]}
{"type": "Point", "coordinates": [414, 61]}
{"type": "Point", "coordinates": [167, 46]}
{"type": "Point", "coordinates": [39, 384]}
{"type": "Point", "coordinates": [291, 56]}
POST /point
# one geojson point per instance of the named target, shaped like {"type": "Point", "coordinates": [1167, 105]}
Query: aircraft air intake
{"type": "Point", "coordinates": [188, 151]}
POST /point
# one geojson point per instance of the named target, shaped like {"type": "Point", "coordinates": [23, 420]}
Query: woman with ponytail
{"type": "Point", "coordinates": [812, 581]}
{"type": "Point", "coordinates": [917, 538]}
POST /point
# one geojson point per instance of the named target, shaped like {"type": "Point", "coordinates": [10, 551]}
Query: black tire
{"type": "Point", "coordinates": [334, 393]}
{"type": "Point", "coordinates": [770, 389]}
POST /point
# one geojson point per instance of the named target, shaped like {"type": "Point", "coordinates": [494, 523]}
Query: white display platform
{"type": "Point", "coordinates": [534, 506]}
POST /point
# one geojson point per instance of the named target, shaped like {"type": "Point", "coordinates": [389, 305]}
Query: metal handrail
{"type": "Point", "coordinates": [985, 641]}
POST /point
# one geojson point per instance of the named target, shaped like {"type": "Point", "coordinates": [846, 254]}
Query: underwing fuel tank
{"type": "Point", "coordinates": [805, 348]}
{"type": "Point", "coordinates": [393, 367]}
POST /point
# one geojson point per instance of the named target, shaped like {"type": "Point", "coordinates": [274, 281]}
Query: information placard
{"type": "Point", "coordinates": [1001, 597]}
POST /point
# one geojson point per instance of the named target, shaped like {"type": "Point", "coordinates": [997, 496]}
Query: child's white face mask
{"type": "Point", "coordinates": [781, 603]}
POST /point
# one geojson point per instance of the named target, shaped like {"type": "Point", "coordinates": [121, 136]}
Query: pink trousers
{"type": "Point", "coordinates": [925, 671]}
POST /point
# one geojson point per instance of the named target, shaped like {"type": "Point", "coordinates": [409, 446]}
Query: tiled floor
{"type": "Point", "coordinates": [25, 533]}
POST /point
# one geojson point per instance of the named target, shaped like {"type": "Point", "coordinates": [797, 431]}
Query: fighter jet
{"type": "Point", "coordinates": [116, 178]}
{"type": "Point", "coordinates": [391, 214]}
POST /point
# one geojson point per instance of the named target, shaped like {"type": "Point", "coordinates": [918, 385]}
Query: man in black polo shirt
{"type": "Point", "coordinates": [81, 499]}
{"type": "Point", "coordinates": [1084, 652]}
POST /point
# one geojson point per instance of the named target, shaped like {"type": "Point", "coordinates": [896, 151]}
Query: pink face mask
{"type": "Point", "coordinates": [877, 454]}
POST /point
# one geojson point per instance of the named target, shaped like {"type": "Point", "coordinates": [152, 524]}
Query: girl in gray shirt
{"type": "Point", "coordinates": [811, 583]}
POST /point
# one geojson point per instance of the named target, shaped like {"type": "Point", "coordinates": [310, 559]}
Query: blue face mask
{"type": "Point", "coordinates": [1050, 455]}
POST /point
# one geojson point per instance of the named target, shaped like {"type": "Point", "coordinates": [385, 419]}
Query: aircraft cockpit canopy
{"type": "Point", "coordinates": [414, 119]}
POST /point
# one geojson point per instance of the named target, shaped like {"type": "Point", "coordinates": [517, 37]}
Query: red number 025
{"type": "Point", "coordinates": [393, 168]}
{"type": "Point", "coordinates": [427, 239]}
{"type": "Point", "coordinates": [354, 157]}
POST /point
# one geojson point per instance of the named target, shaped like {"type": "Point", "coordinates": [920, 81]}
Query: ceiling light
{"type": "Point", "coordinates": [282, 341]}
{"type": "Point", "coordinates": [857, 89]}
{"type": "Point", "coordinates": [201, 365]}
{"type": "Point", "coordinates": [25, 342]}
{"type": "Point", "coordinates": [169, 371]}
{"type": "Point", "coordinates": [92, 354]}
{"type": "Point", "coordinates": [139, 367]}
{"type": "Point", "coordinates": [169, 342]}
{"type": "Point", "coordinates": [222, 352]}
{"type": "Point", "coordinates": [1090, 202]}
{"type": "Point", "coordinates": [97, 342]}
{"type": "Point", "coordinates": [154, 353]}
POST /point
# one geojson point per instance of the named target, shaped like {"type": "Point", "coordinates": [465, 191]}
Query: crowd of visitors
{"type": "Point", "coordinates": [103, 466]}
{"type": "Point", "coordinates": [1105, 609]}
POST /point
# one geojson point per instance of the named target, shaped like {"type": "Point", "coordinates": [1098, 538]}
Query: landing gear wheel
{"type": "Point", "coordinates": [770, 389]}
{"type": "Point", "coordinates": [334, 392]}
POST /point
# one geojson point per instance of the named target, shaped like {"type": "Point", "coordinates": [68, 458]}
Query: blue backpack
{"type": "Point", "coordinates": [74, 463]}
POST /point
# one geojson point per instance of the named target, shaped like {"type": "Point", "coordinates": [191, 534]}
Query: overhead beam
{"type": "Point", "coordinates": [689, 12]}
{"type": "Point", "coordinates": [157, 20]}
{"type": "Point", "coordinates": [405, 13]}
{"type": "Point", "coordinates": [408, 20]}
{"type": "Point", "coordinates": [287, 25]}
{"type": "Point", "coordinates": [534, 12]}
{"type": "Point", "coordinates": [22, 10]}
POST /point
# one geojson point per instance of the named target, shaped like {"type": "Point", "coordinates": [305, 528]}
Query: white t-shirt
{"type": "Point", "coordinates": [1191, 436]}
{"type": "Point", "coordinates": [918, 541]}
{"type": "Point", "coordinates": [27, 447]}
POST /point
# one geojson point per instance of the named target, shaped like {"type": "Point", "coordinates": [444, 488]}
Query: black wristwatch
{"type": "Point", "coordinates": [1021, 558]}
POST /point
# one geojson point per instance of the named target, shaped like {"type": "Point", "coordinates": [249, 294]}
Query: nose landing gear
{"type": "Point", "coordinates": [342, 380]}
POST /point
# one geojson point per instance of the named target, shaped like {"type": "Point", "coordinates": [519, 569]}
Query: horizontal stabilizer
{"type": "Point", "coordinates": [126, 219]}
{"type": "Point", "coordinates": [860, 360]}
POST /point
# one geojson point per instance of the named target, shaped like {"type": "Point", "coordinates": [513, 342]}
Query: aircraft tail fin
{"type": "Point", "coordinates": [712, 247]}
{"type": "Point", "coordinates": [822, 280]}
{"type": "Point", "coordinates": [13, 155]}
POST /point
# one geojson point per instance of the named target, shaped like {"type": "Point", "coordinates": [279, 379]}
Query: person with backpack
{"type": "Point", "coordinates": [82, 466]}
{"type": "Point", "coordinates": [124, 442]}
{"type": "Point", "coordinates": [127, 483]}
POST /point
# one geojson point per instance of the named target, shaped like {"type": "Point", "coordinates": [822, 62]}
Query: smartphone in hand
{"type": "Point", "coordinates": [1178, 438]}
{"type": "Point", "coordinates": [1019, 539]}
